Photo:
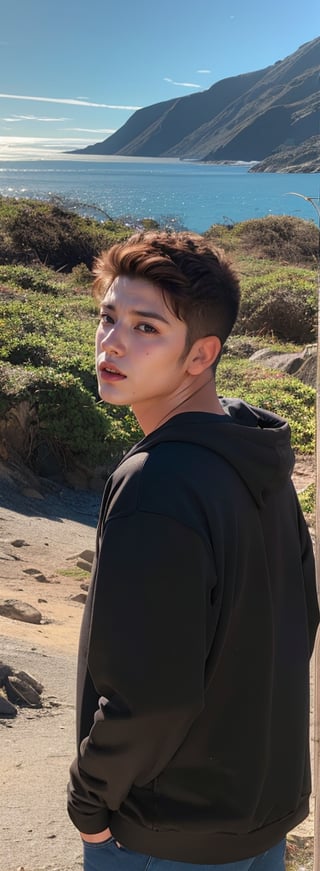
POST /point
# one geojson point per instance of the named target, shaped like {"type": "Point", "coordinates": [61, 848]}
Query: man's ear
{"type": "Point", "coordinates": [203, 354]}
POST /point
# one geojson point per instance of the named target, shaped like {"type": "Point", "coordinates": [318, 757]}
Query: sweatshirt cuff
{"type": "Point", "coordinates": [90, 821]}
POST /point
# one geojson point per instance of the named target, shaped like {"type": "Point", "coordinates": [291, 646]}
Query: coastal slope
{"type": "Point", "coordinates": [247, 117]}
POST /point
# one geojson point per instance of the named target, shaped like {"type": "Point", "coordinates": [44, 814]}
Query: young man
{"type": "Point", "coordinates": [193, 678]}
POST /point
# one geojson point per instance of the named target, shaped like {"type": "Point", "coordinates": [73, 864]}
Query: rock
{"type": "Point", "coordinates": [5, 670]}
{"type": "Point", "coordinates": [17, 610]}
{"type": "Point", "coordinates": [303, 365]}
{"type": "Point", "coordinates": [289, 363]}
{"type": "Point", "coordinates": [81, 597]}
{"type": "Point", "coordinates": [38, 576]}
{"type": "Point", "coordinates": [31, 572]}
{"type": "Point", "coordinates": [30, 493]}
{"type": "Point", "coordinates": [22, 693]}
{"type": "Point", "coordinates": [82, 564]}
{"type": "Point", "coordinates": [42, 600]}
{"type": "Point", "coordinates": [87, 555]}
{"type": "Point", "coordinates": [24, 676]}
{"type": "Point", "coordinates": [41, 579]}
{"type": "Point", "coordinates": [7, 554]}
{"type": "Point", "coordinates": [6, 708]}
{"type": "Point", "coordinates": [261, 354]}
{"type": "Point", "coordinates": [84, 586]}
{"type": "Point", "coordinates": [19, 542]}
{"type": "Point", "coordinates": [4, 453]}
{"type": "Point", "coordinates": [308, 371]}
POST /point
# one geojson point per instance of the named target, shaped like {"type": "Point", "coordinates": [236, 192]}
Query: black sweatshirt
{"type": "Point", "coordinates": [193, 675]}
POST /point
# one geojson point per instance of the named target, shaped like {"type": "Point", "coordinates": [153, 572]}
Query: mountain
{"type": "Point", "coordinates": [245, 117]}
{"type": "Point", "coordinates": [299, 158]}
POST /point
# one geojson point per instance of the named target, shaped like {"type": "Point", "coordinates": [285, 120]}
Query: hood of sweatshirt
{"type": "Point", "coordinates": [254, 441]}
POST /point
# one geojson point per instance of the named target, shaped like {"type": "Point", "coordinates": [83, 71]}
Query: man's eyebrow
{"type": "Point", "coordinates": [141, 314]}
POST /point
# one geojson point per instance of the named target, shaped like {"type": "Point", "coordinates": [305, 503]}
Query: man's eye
{"type": "Point", "coordinates": [146, 328]}
{"type": "Point", "coordinates": [105, 318]}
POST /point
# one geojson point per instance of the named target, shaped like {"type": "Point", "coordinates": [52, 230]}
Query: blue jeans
{"type": "Point", "coordinates": [107, 856]}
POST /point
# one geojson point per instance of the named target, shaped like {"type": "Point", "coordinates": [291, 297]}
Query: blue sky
{"type": "Point", "coordinates": [72, 72]}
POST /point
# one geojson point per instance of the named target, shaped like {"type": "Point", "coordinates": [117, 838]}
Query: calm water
{"type": "Point", "coordinates": [195, 195]}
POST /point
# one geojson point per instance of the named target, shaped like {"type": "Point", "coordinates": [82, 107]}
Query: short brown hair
{"type": "Point", "coordinates": [198, 282]}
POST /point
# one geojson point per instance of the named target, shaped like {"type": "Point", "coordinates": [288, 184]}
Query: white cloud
{"type": "Point", "coordinates": [21, 147]}
{"type": "Point", "coordinates": [90, 130]}
{"type": "Point", "coordinates": [181, 84]}
{"type": "Point", "coordinates": [69, 102]}
{"type": "Point", "coordinates": [55, 142]}
{"type": "Point", "coordinates": [204, 72]}
{"type": "Point", "coordinates": [15, 118]}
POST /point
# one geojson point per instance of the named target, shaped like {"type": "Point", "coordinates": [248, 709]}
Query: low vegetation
{"type": "Point", "coordinates": [48, 320]}
{"type": "Point", "coordinates": [308, 500]}
{"type": "Point", "coordinates": [32, 231]}
{"type": "Point", "coordinates": [276, 237]}
{"type": "Point", "coordinates": [283, 394]}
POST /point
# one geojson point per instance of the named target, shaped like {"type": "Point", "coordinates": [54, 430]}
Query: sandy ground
{"type": "Point", "coordinates": [38, 746]}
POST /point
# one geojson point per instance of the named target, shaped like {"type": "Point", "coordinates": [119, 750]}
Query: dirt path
{"type": "Point", "coordinates": [38, 746]}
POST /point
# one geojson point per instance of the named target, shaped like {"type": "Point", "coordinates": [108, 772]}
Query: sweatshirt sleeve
{"type": "Point", "coordinates": [146, 658]}
{"type": "Point", "coordinates": [309, 576]}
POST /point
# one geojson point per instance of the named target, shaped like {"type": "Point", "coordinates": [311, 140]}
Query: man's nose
{"type": "Point", "coordinates": [113, 339]}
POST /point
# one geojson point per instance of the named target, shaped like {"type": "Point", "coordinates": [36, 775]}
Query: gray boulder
{"type": "Point", "coordinates": [22, 693]}
{"type": "Point", "coordinates": [303, 365]}
{"type": "Point", "coordinates": [289, 363]}
{"type": "Point", "coordinates": [7, 710]}
{"type": "Point", "coordinates": [17, 610]}
{"type": "Point", "coordinates": [308, 371]}
{"type": "Point", "coordinates": [27, 678]}
{"type": "Point", "coordinates": [84, 565]}
{"type": "Point", "coordinates": [5, 670]}
{"type": "Point", "coordinates": [87, 555]}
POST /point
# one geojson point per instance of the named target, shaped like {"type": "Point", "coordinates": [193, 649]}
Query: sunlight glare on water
{"type": "Point", "coordinates": [195, 195]}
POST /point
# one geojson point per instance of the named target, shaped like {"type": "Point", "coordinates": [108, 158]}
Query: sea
{"type": "Point", "coordinates": [176, 193]}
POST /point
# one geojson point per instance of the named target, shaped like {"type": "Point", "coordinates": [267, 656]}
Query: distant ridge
{"type": "Point", "coordinates": [247, 117]}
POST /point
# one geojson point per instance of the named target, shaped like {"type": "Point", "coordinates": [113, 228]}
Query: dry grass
{"type": "Point", "coordinates": [275, 237]}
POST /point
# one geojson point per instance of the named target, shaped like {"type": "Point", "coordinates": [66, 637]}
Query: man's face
{"type": "Point", "coordinates": [140, 346]}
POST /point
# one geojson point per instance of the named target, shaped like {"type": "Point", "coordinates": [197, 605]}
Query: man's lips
{"type": "Point", "coordinates": [109, 372]}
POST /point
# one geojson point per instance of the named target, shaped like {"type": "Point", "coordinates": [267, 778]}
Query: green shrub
{"type": "Point", "coordinates": [281, 237]}
{"type": "Point", "coordinates": [58, 333]}
{"type": "Point", "coordinates": [68, 417]}
{"type": "Point", "coordinates": [280, 393]}
{"type": "Point", "coordinates": [80, 276]}
{"type": "Point", "coordinates": [29, 350]}
{"type": "Point", "coordinates": [31, 278]}
{"type": "Point", "coordinates": [283, 313]}
{"type": "Point", "coordinates": [35, 231]}
{"type": "Point", "coordinates": [282, 303]}
{"type": "Point", "coordinates": [72, 421]}
{"type": "Point", "coordinates": [276, 237]}
{"type": "Point", "coordinates": [307, 499]}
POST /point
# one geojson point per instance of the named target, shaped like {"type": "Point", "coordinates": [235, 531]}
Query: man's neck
{"type": "Point", "coordinates": [203, 399]}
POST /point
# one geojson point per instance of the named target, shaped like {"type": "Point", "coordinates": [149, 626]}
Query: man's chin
{"type": "Point", "coordinates": [111, 400]}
